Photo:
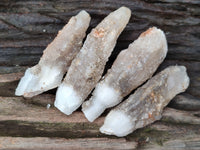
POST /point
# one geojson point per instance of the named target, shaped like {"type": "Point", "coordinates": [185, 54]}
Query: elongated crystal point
{"type": "Point", "coordinates": [56, 58]}
{"type": "Point", "coordinates": [87, 67]}
{"type": "Point", "coordinates": [146, 105]}
{"type": "Point", "coordinates": [131, 68]}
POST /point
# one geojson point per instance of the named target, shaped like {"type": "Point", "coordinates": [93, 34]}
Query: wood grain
{"type": "Point", "coordinates": [63, 144]}
{"type": "Point", "coordinates": [20, 117]}
{"type": "Point", "coordinates": [27, 27]}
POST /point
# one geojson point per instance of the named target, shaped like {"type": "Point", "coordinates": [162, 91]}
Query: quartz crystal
{"type": "Point", "coordinates": [146, 104]}
{"type": "Point", "coordinates": [87, 67]}
{"type": "Point", "coordinates": [131, 68]}
{"type": "Point", "coordinates": [56, 59]}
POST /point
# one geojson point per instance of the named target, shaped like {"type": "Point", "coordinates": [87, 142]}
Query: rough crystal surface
{"type": "Point", "coordinates": [146, 104]}
{"type": "Point", "coordinates": [132, 67]}
{"type": "Point", "coordinates": [56, 58]}
{"type": "Point", "coordinates": [87, 67]}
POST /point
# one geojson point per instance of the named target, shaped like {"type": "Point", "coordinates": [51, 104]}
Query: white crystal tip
{"type": "Point", "coordinates": [83, 13]}
{"type": "Point", "coordinates": [93, 111]}
{"type": "Point", "coordinates": [24, 83]}
{"type": "Point", "coordinates": [123, 13]}
{"type": "Point", "coordinates": [103, 97]}
{"type": "Point", "coordinates": [67, 100]}
{"type": "Point", "coordinates": [84, 17]}
{"type": "Point", "coordinates": [125, 9]}
{"type": "Point", "coordinates": [117, 123]}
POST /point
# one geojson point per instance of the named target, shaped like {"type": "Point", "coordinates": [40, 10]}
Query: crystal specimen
{"type": "Point", "coordinates": [87, 67]}
{"type": "Point", "coordinates": [57, 57]}
{"type": "Point", "coordinates": [132, 67]}
{"type": "Point", "coordinates": [146, 104]}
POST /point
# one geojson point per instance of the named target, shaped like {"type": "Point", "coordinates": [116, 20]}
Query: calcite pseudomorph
{"type": "Point", "coordinates": [87, 67]}
{"type": "Point", "coordinates": [56, 58]}
{"type": "Point", "coordinates": [146, 105]}
{"type": "Point", "coordinates": [132, 67]}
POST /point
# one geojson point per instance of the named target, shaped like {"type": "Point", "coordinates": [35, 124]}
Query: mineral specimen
{"type": "Point", "coordinates": [87, 67]}
{"type": "Point", "coordinates": [146, 104]}
{"type": "Point", "coordinates": [132, 67]}
{"type": "Point", "coordinates": [57, 57]}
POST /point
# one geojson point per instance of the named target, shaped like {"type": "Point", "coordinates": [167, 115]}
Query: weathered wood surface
{"type": "Point", "coordinates": [18, 143]}
{"type": "Point", "coordinates": [22, 118]}
{"type": "Point", "coordinates": [62, 144]}
{"type": "Point", "coordinates": [188, 144]}
{"type": "Point", "coordinates": [185, 102]}
{"type": "Point", "coordinates": [26, 27]}
{"type": "Point", "coordinates": [17, 108]}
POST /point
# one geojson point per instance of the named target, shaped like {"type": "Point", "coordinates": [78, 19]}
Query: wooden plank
{"type": "Point", "coordinates": [16, 143]}
{"type": "Point", "coordinates": [26, 27]}
{"type": "Point", "coordinates": [63, 144]}
{"type": "Point", "coordinates": [17, 108]}
{"type": "Point", "coordinates": [23, 118]}
{"type": "Point", "coordinates": [185, 102]}
{"type": "Point", "coordinates": [17, 116]}
{"type": "Point", "coordinates": [179, 116]}
{"type": "Point", "coordinates": [29, 110]}
{"type": "Point", "coordinates": [180, 144]}
{"type": "Point", "coordinates": [4, 78]}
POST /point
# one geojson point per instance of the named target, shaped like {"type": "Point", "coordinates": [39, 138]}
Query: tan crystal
{"type": "Point", "coordinates": [146, 105]}
{"type": "Point", "coordinates": [56, 58]}
{"type": "Point", "coordinates": [87, 67]}
{"type": "Point", "coordinates": [132, 67]}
